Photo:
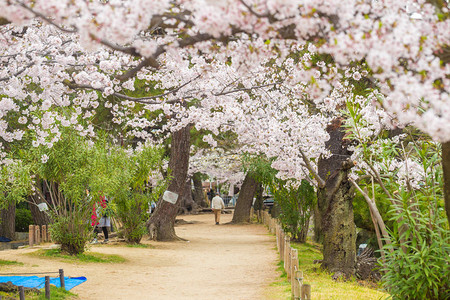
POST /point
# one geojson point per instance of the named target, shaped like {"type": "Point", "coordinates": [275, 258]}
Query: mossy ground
{"type": "Point", "coordinates": [322, 286]}
{"type": "Point", "coordinates": [87, 257]}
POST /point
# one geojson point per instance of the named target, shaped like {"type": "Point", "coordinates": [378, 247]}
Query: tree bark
{"type": "Point", "coordinates": [7, 221]}
{"type": "Point", "coordinates": [259, 201]}
{"type": "Point", "coordinates": [335, 205]}
{"type": "Point", "coordinates": [446, 168]}
{"type": "Point", "coordinates": [162, 221]}
{"type": "Point", "coordinates": [245, 201]}
{"type": "Point", "coordinates": [199, 197]}
{"type": "Point", "coordinates": [187, 204]}
{"type": "Point", "coordinates": [318, 233]}
{"type": "Point", "coordinates": [39, 217]}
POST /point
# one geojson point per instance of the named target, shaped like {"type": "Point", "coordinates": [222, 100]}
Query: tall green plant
{"type": "Point", "coordinates": [295, 205]}
{"type": "Point", "coordinates": [66, 170]}
{"type": "Point", "coordinates": [133, 197]}
{"type": "Point", "coordinates": [15, 182]}
{"type": "Point", "coordinates": [407, 168]}
{"type": "Point", "coordinates": [418, 266]}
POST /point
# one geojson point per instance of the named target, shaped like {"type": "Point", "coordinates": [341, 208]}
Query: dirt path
{"type": "Point", "coordinates": [218, 262]}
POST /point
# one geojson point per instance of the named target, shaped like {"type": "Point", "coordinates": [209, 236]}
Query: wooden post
{"type": "Point", "coordinates": [278, 237]}
{"type": "Point", "coordinates": [286, 250]}
{"type": "Point", "coordinates": [21, 293]}
{"type": "Point", "coordinates": [44, 233]}
{"type": "Point", "coordinates": [49, 236]}
{"type": "Point", "coordinates": [294, 265]}
{"type": "Point", "coordinates": [37, 239]}
{"type": "Point", "coordinates": [289, 262]}
{"type": "Point", "coordinates": [298, 284]}
{"type": "Point", "coordinates": [306, 292]}
{"type": "Point", "coordinates": [61, 278]}
{"type": "Point", "coordinates": [282, 245]}
{"type": "Point", "coordinates": [47, 287]}
{"type": "Point", "coordinates": [31, 235]}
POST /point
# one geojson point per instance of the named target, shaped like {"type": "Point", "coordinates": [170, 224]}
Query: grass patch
{"type": "Point", "coordinates": [9, 262]}
{"type": "Point", "coordinates": [138, 246]}
{"type": "Point", "coordinates": [279, 289]}
{"type": "Point", "coordinates": [55, 294]}
{"type": "Point", "coordinates": [322, 286]}
{"type": "Point", "coordinates": [87, 257]}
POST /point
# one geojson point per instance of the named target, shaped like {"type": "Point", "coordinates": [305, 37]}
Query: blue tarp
{"type": "Point", "coordinates": [39, 282]}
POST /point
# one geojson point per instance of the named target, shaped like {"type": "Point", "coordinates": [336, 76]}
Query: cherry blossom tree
{"type": "Point", "coordinates": [224, 65]}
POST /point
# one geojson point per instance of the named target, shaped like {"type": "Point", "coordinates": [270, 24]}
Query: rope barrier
{"type": "Point", "coordinates": [21, 290]}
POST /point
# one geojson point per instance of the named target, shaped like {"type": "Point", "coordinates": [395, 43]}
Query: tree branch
{"type": "Point", "coordinates": [150, 61]}
{"type": "Point", "coordinates": [4, 21]}
{"type": "Point", "coordinates": [250, 9]}
{"type": "Point", "coordinates": [17, 73]}
{"type": "Point", "coordinates": [246, 89]}
{"type": "Point", "coordinates": [373, 208]}
{"type": "Point", "coordinates": [308, 165]}
{"type": "Point", "coordinates": [46, 19]}
{"type": "Point", "coordinates": [143, 100]}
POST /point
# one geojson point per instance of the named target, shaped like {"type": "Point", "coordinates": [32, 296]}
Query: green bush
{"type": "Point", "coordinates": [417, 262]}
{"type": "Point", "coordinates": [71, 232]}
{"type": "Point", "coordinates": [131, 211]}
{"type": "Point", "coordinates": [295, 207]}
{"type": "Point", "coordinates": [23, 219]}
{"type": "Point", "coordinates": [130, 200]}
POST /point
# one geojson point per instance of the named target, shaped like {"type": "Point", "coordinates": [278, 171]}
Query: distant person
{"type": "Point", "coordinates": [100, 219]}
{"type": "Point", "coordinates": [210, 194]}
{"type": "Point", "coordinates": [151, 207]}
{"type": "Point", "coordinates": [217, 205]}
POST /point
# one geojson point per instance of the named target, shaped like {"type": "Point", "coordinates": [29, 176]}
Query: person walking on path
{"type": "Point", "coordinates": [217, 205]}
{"type": "Point", "coordinates": [100, 218]}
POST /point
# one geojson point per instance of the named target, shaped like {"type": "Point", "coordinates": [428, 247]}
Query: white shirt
{"type": "Point", "coordinates": [217, 203]}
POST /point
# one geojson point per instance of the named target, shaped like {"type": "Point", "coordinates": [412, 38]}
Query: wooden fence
{"type": "Point", "coordinates": [38, 234]}
{"type": "Point", "coordinates": [289, 256]}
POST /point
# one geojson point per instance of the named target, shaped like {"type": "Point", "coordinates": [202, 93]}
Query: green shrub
{"type": "Point", "coordinates": [418, 267]}
{"type": "Point", "coordinates": [23, 219]}
{"type": "Point", "coordinates": [131, 211]}
{"type": "Point", "coordinates": [71, 232]}
{"type": "Point", "coordinates": [130, 200]}
{"type": "Point", "coordinates": [295, 207]}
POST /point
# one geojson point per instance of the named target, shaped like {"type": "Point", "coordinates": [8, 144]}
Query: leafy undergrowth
{"type": "Point", "coordinates": [55, 294]}
{"type": "Point", "coordinates": [139, 246]}
{"type": "Point", "coordinates": [87, 257]}
{"type": "Point", "coordinates": [9, 262]}
{"type": "Point", "coordinates": [322, 286]}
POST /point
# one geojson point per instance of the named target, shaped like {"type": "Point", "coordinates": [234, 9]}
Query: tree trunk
{"type": "Point", "coordinates": [199, 197]}
{"type": "Point", "coordinates": [7, 221]}
{"type": "Point", "coordinates": [39, 217]}
{"type": "Point", "coordinates": [259, 201]}
{"type": "Point", "coordinates": [446, 168]}
{"type": "Point", "coordinates": [335, 205]}
{"type": "Point", "coordinates": [303, 233]}
{"type": "Point", "coordinates": [318, 234]}
{"type": "Point", "coordinates": [187, 204]}
{"type": "Point", "coordinates": [245, 201]}
{"type": "Point", "coordinates": [162, 221]}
